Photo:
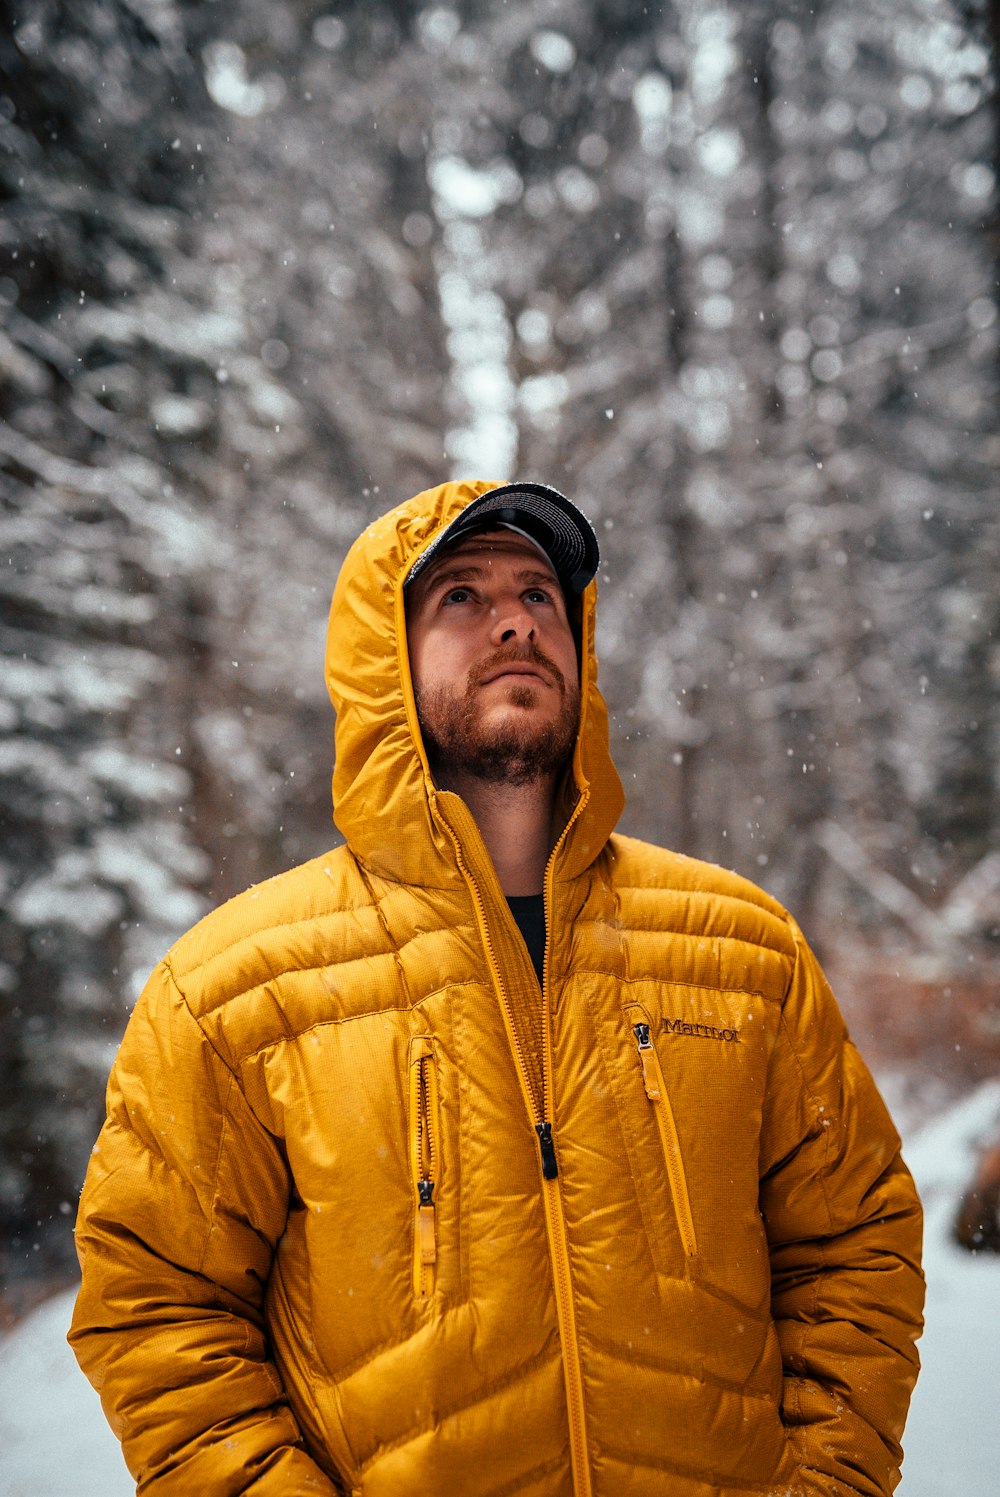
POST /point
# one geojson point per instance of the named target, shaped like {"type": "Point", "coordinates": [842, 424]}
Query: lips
{"type": "Point", "coordinates": [530, 672]}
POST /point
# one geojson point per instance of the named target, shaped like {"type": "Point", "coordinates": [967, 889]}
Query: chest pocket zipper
{"type": "Point", "coordinates": [425, 1160]}
{"type": "Point", "coordinates": [656, 1091]}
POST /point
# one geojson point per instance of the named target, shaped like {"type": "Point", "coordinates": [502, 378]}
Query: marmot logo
{"type": "Point", "coordinates": [702, 1031]}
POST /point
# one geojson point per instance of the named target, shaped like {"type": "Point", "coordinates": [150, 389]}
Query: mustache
{"type": "Point", "coordinates": [526, 654]}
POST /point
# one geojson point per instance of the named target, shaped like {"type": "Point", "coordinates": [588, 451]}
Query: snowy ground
{"type": "Point", "coordinates": [53, 1438]}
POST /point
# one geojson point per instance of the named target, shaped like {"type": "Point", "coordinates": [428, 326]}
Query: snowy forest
{"type": "Point", "coordinates": [723, 271]}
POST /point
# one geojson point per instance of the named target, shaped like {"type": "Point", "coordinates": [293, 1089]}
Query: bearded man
{"type": "Point", "coordinates": [493, 1152]}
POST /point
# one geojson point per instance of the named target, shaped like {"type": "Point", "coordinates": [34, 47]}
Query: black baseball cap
{"type": "Point", "coordinates": [544, 516]}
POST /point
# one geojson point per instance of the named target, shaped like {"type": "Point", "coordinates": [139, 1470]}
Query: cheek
{"type": "Point", "coordinates": [434, 662]}
{"type": "Point", "coordinates": [568, 661]}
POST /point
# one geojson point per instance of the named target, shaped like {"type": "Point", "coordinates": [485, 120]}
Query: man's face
{"type": "Point", "coordinates": [493, 662]}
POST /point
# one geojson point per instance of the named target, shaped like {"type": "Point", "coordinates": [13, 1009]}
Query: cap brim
{"type": "Point", "coordinates": [544, 516]}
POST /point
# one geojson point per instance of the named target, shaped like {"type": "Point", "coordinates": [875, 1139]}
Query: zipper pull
{"type": "Point", "coordinates": [550, 1168]}
{"type": "Point", "coordinates": [426, 1236]}
{"type": "Point", "coordinates": [647, 1057]}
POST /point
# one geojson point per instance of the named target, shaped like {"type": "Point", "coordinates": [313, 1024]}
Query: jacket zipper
{"type": "Point", "coordinates": [555, 1221]}
{"type": "Point", "coordinates": [424, 1161]}
{"type": "Point", "coordinates": [656, 1091]}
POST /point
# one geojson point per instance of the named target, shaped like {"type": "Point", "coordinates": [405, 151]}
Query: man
{"type": "Point", "coordinates": [493, 1153]}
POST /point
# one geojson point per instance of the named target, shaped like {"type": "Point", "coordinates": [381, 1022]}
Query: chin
{"type": "Point", "coordinates": [529, 719]}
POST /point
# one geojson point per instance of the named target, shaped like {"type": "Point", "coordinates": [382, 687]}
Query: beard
{"type": "Point", "coordinates": [516, 751]}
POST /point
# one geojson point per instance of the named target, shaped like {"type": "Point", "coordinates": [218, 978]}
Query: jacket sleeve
{"type": "Point", "coordinates": [844, 1229]}
{"type": "Point", "coordinates": [184, 1202]}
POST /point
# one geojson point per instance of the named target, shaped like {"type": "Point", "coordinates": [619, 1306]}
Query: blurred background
{"type": "Point", "coordinates": [724, 271]}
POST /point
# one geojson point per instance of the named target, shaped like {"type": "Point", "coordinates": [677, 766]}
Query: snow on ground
{"type": "Point", "coordinates": [53, 1437]}
{"type": "Point", "coordinates": [952, 1437]}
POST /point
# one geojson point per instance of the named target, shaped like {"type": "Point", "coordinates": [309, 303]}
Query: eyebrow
{"type": "Point", "coordinates": [470, 572]}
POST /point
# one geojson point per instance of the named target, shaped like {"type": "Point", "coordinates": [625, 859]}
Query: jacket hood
{"type": "Point", "coordinates": [385, 802]}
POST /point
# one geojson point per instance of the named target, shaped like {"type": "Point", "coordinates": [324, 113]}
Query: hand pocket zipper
{"type": "Point", "coordinates": [656, 1092]}
{"type": "Point", "coordinates": [425, 1160]}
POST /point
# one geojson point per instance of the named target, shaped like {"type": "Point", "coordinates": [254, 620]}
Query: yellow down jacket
{"type": "Point", "coordinates": [347, 1230]}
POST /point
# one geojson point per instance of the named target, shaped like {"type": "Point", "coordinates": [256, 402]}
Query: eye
{"type": "Point", "coordinates": [457, 595]}
{"type": "Point", "coordinates": [538, 595]}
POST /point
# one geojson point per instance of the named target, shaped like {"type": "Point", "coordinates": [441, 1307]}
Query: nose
{"type": "Point", "coordinates": [511, 622]}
